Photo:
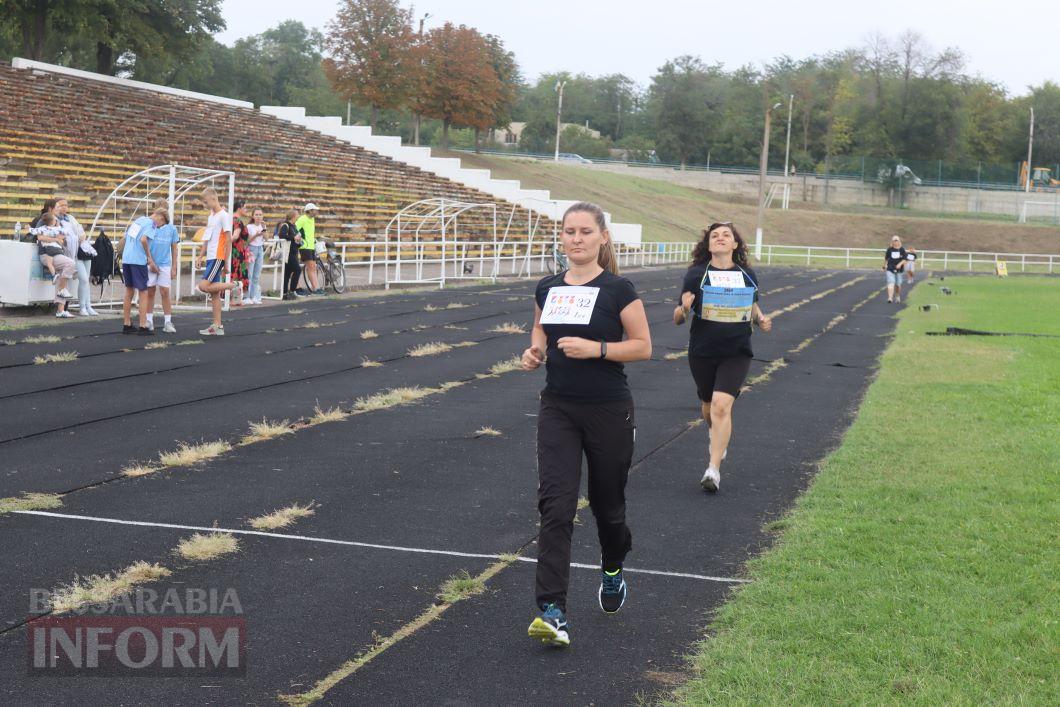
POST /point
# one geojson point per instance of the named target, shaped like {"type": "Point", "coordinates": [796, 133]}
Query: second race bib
{"type": "Point", "coordinates": [569, 305]}
{"type": "Point", "coordinates": [725, 278]}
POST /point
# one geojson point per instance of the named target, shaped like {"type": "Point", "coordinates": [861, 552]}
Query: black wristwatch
{"type": "Point", "coordinates": [603, 349]}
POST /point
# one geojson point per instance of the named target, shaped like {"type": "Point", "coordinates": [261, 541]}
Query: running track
{"type": "Point", "coordinates": [408, 496]}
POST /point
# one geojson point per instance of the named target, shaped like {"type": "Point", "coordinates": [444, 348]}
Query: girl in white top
{"type": "Point", "coordinates": [256, 231]}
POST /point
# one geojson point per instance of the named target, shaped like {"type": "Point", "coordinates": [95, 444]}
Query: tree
{"type": "Point", "coordinates": [373, 61]}
{"type": "Point", "coordinates": [125, 30]}
{"type": "Point", "coordinates": [507, 72]}
{"type": "Point", "coordinates": [460, 85]}
{"type": "Point", "coordinates": [685, 98]}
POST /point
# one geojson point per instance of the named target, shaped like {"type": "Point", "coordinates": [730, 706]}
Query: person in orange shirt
{"type": "Point", "coordinates": [214, 259]}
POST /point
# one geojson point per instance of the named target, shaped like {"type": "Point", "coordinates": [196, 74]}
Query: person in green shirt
{"type": "Point", "coordinates": [306, 225]}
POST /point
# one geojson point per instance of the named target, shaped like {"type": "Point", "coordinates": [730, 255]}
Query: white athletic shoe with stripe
{"type": "Point", "coordinates": [711, 479]}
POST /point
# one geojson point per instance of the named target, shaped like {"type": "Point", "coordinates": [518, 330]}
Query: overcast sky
{"type": "Point", "coordinates": [1009, 42]}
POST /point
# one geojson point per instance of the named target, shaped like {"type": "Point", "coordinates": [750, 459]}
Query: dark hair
{"type": "Point", "coordinates": [48, 205]}
{"type": "Point", "coordinates": [606, 258]}
{"type": "Point", "coordinates": [701, 253]}
{"type": "Point", "coordinates": [238, 204]}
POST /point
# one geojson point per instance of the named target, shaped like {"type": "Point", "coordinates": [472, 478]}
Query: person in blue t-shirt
{"type": "Point", "coordinates": [162, 263]}
{"type": "Point", "coordinates": [134, 272]}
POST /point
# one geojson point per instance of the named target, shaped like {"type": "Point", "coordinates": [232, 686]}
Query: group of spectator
{"type": "Point", "coordinates": [149, 245]}
{"type": "Point", "coordinates": [66, 253]}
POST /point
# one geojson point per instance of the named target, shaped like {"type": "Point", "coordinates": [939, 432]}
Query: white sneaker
{"type": "Point", "coordinates": [711, 479]}
{"type": "Point", "coordinates": [213, 330]}
{"type": "Point", "coordinates": [169, 328]}
{"type": "Point", "coordinates": [65, 293]}
{"type": "Point", "coordinates": [257, 301]}
{"type": "Point", "coordinates": [64, 315]}
{"type": "Point", "coordinates": [89, 312]}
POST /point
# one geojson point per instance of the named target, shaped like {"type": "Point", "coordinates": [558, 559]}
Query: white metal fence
{"type": "Point", "coordinates": [967, 261]}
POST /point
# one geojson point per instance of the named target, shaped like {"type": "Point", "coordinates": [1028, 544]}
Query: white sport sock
{"type": "Point", "coordinates": [169, 318]}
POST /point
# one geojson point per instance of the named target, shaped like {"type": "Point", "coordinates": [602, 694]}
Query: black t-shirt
{"type": "Point", "coordinates": [717, 339]}
{"type": "Point", "coordinates": [895, 257]}
{"type": "Point", "coordinates": [591, 380]}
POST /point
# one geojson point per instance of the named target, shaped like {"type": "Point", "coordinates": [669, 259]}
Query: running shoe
{"type": "Point", "coordinates": [145, 331]}
{"type": "Point", "coordinates": [213, 330]}
{"type": "Point", "coordinates": [64, 315]}
{"type": "Point", "coordinates": [128, 329]}
{"type": "Point", "coordinates": [289, 296]}
{"type": "Point", "coordinates": [169, 328]}
{"type": "Point", "coordinates": [551, 627]}
{"type": "Point", "coordinates": [711, 479]}
{"type": "Point", "coordinates": [612, 593]}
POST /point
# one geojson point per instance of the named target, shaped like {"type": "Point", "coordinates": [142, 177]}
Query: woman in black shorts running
{"type": "Point", "coordinates": [588, 321]}
{"type": "Point", "coordinates": [721, 291]}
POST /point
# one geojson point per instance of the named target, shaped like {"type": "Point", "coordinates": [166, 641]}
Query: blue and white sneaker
{"type": "Point", "coordinates": [551, 627]}
{"type": "Point", "coordinates": [612, 591]}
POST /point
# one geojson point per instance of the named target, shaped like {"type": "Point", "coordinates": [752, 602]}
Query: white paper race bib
{"type": "Point", "coordinates": [725, 278]}
{"type": "Point", "coordinates": [569, 305]}
{"type": "Point", "coordinates": [895, 255]}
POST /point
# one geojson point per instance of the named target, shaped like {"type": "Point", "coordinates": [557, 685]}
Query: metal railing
{"type": "Point", "coordinates": [966, 261]}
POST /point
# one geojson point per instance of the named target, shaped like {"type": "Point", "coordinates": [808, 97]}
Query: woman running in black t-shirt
{"type": "Point", "coordinates": [580, 317]}
{"type": "Point", "coordinates": [721, 291]}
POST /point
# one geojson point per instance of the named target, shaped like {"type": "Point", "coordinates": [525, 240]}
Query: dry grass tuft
{"type": "Point", "coordinates": [201, 547]}
{"type": "Point", "coordinates": [430, 308]}
{"type": "Point", "coordinates": [30, 501]}
{"type": "Point", "coordinates": [432, 349]}
{"type": "Point", "coordinates": [310, 325]}
{"type": "Point", "coordinates": [487, 432]}
{"type": "Point", "coordinates": [42, 339]}
{"type": "Point", "coordinates": [100, 589]}
{"type": "Point", "coordinates": [509, 328]}
{"type": "Point", "coordinates": [507, 366]}
{"type": "Point", "coordinates": [457, 305]}
{"type": "Point", "coordinates": [449, 385]}
{"type": "Point", "coordinates": [189, 342]}
{"type": "Point", "coordinates": [460, 586]}
{"type": "Point", "coordinates": [368, 334]}
{"type": "Point", "coordinates": [188, 454]}
{"type": "Point", "coordinates": [455, 327]}
{"type": "Point", "coordinates": [282, 517]}
{"type": "Point", "coordinates": [675, 355]}
{"type": "Point", "coordinates": [63, 357]}
{"type": "Point", "coordinates": [296, 311]}
{"type": "Point", "coordinates": [335, 414]}
{"type": "Point", "coordinates": [140, 470]}
{"type": "Point", "coordinates": [266, 429]}
{"type": "Point", "coordinates": [465, 344]}
{"type": "Point", "coordinates": [157, 345]}
{"type": "Point", "coordinates": [390, 398]}
{"type": "Point", "coordinates": [369, 363]}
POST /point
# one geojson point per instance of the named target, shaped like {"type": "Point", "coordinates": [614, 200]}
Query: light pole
{"type": "Point", "coordinates": [762, 181]}
{"type": "Point", "coordinates": [787, 143]}
{"type": "Point", "coordinates": [416, 129]}
{"type": "Point", "coordinates": [559, 113]}
{"type": "Point", "coordinates": [1030, 150]}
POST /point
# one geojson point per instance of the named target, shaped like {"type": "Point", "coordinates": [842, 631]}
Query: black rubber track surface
{"type": "Point", "coordinates": [413, 476]}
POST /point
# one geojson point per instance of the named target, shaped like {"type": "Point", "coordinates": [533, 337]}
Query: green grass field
{"type": "Point", "coordinates": [922, 565]}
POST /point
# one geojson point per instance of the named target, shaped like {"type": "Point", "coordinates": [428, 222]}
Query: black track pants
{"type": "Point", "coordinates": [566, 430]}
{"type": "Point", "coordinates": [291, 273]}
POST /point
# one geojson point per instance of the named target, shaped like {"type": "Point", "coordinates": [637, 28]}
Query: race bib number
{"type": "Point", "coordinates": [895, 255]}
{"type": "Point", "coordinates": [727, 304]}
{"type": "Point", "coordinates": [569, 305]}
{"type": "Point", "coordinates": [725, 278]}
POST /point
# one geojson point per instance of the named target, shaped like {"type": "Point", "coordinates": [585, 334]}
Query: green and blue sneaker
{"type": "Point", "coordinates": [612, 591]}
{"type": "Point", "coordinates": [550, 627]}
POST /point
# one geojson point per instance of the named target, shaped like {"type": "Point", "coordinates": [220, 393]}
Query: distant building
{"type": "Point", "coordinates": [511, 134]}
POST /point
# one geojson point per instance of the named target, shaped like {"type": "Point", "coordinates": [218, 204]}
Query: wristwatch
{"type": "Point", "coordinates": [603, 349]}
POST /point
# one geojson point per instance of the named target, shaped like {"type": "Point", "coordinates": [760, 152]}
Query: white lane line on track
{"type": "Point", "coordinates": [354, 543]}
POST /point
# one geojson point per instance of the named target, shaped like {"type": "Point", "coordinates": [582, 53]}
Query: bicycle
{"type": "Point", "coordinates": [330, 272]}
{"type": "Point", "coordinates": [558, 261]}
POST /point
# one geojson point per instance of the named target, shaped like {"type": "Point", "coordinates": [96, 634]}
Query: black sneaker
{"type": "Point", "coordinates": [612, 591]}
{"type": "Point", "coordinates": [288, 296]}
{"type": "Point", "coordinates": [550, 627]}
{"type": "Point", "coordinates": [128, 329]}
{"type": "Point", "coordinates": [144, 331]}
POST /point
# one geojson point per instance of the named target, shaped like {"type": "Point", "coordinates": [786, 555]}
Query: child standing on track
{"type": "Point", "coordinates": [213, 258]}
{"type": "Point", "coordinates": [580, 318]}
{"type": "Point", "coordinates": [162, 262]}
{"type": "Point", "coordinates": [721, 291]}
{"type": "Point", "coordinates": [134, 273]}
{"type": "Point", "coordinates": [894, 260]}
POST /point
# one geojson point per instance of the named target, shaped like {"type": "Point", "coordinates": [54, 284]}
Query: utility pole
{"type": "Point", "coordinates": [787, 143]}
{"type": "Point", "coordinates": [559, 115]}
{"type": "Point", "coordinates": [762, 182]}
{"type": "Point", "coordinates": [1030, 150]}
{"type": "Point", "coordinates": [416, 127]}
